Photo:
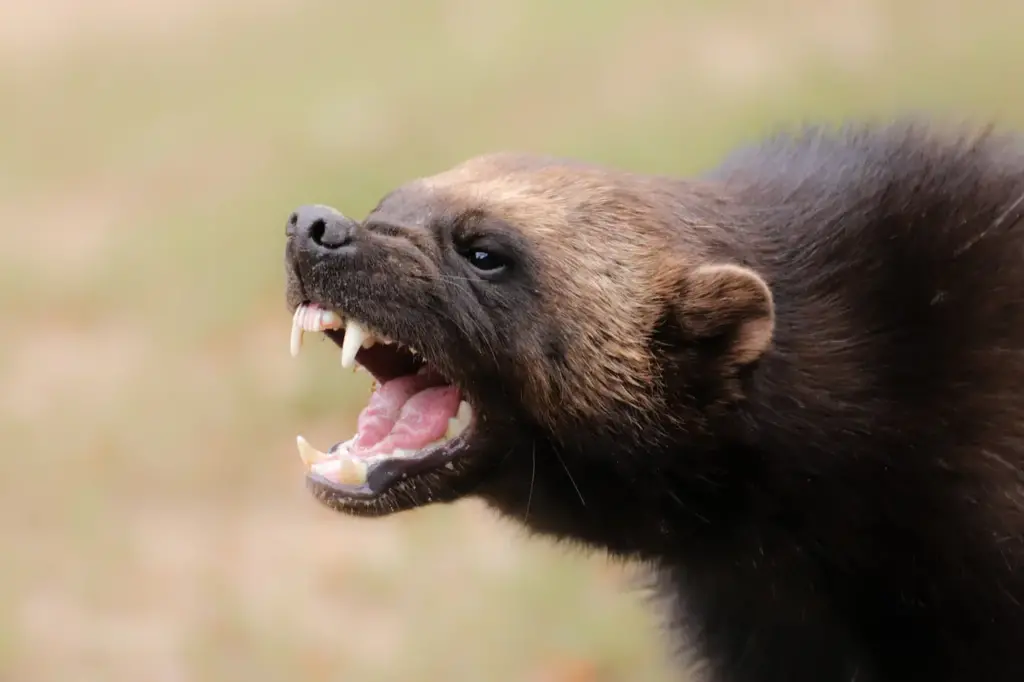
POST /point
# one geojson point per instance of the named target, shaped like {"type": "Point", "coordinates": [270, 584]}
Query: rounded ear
{"type": "Point", "coordinates": [732, 304]}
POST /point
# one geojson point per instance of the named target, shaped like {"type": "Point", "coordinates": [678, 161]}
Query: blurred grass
{"type": "Point", "coordinates": [152, 511]}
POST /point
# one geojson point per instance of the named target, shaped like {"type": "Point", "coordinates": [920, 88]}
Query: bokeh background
{"type": "Point", "coordinates": [153, 520]}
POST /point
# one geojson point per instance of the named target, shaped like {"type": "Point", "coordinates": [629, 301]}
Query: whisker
{"type": "Point", "coordinates": [571, 479]}
{"type": "Point", "coordinates": [533, 476]}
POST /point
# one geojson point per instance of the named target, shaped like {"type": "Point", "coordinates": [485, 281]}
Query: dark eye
{"type": "Point", "coordinates": [485, 259]}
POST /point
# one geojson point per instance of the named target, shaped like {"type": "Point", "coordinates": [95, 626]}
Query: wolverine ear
{"type": "Point", "coordinates": [730, 305]}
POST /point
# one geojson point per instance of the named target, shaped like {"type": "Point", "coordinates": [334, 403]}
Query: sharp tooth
{"type": "Point", "coordinates": [465, 413]}
{"type": "Point", "coordinates": [369, 341]}
{"type": "Point", "coordinates": [455, 427]}
{"type": "Point", "coordinates": [354, 337]}
{"type": "Point", "coordinates": [296, 337]}
{"type": "Point", "coordinates": [352, 471]}
{"type": "Point", "coordinates": [458, 423]}
{"type": "Point", "coordinates": [308, 453]}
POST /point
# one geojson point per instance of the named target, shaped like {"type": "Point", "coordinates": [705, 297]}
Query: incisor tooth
{"type": "Point", "coordinates": [329, 320]}
{"type": "Point", "coordinates": [354, 337]}
{"type": "Point", "coordinates": [308, 453]}
{"type": "Point", "coordinates": [352, 471]}
{"type": "Point", "coordinates": [295, 343]}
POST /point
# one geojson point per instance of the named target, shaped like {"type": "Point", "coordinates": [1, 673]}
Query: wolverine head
{"type": "Point", "coordinates": [525, 318]}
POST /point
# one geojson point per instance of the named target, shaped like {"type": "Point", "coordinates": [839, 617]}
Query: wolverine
{"type": "Point", "coordinates": [792, 385]}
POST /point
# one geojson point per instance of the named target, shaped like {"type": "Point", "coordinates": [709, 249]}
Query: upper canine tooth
{"type": "Point", "coordinates": [295, 343]}
{"type": "Point", "coordinates": [355, 334]}
{"type": "Point", "coordinates": [308, 453]}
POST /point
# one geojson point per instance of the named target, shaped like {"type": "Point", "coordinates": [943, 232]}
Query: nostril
{"type": "Point", "coordinates": [321, 226]}
{"type": "Point", "coordinates": [316, 232]}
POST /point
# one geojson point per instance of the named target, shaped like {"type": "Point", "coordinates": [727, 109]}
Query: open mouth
{"type": "Point", "coordinates": [416, 419]}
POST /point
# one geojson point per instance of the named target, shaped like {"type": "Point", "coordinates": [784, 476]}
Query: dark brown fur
{"type": "Point", "coordinates": [795, 386]}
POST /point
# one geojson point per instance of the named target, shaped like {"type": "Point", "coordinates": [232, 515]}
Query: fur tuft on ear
{"type": "Point", "coordinates": [730, 303]}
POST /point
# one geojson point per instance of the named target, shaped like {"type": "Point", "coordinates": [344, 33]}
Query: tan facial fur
{"type": "Point", "coordinates": [616, 253]}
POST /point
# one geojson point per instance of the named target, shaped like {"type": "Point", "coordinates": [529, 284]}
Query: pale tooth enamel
{"type": "Point", "coordinates": [354, 336]}
{"type": "Point", "coordinates": [295, 343]}
{"type": "Point", "coordinates": [317, 319]}
{"type": "Point", "coordinates": [465, 413]}
{"type": "Point", "coordinates": [345, 470]}
{"type": "Point", "coordinates": [369, 341]}
{"type": "Point", "coordinates": [328, 468]}
{"type": "Point", "coordinates": [351, 471]}
{"type": "Point", "coordinates": [458, 423]}
{"type": "Point", "coordinates": [310, 455]}
{"type": "Point", "coordinates": [329, 320]}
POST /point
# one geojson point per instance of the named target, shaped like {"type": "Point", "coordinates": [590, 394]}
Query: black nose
{"type": "Point", "coordinates": [320, 226]}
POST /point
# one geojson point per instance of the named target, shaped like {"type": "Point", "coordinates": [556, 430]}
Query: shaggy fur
{"type": "Point", "coordinates": [794, 385]}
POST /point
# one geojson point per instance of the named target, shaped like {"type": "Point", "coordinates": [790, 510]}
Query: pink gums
{"type": "Point", "coordinates": [408, 413]}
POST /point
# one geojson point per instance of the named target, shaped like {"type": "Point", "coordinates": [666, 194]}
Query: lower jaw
{"type": "Point", "coordinates": [386, 476]}
{"type": "Point", "coordinates": [342, 481]}
{"type": "Point", "coordinates": [344, 466]}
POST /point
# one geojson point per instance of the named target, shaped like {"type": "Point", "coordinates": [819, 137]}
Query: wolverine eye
{"type": "Point", "coordinates": [484, 259]}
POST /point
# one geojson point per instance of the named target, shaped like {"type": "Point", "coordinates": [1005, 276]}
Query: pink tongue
{"type": "Point", "coordinates": [408, 413]}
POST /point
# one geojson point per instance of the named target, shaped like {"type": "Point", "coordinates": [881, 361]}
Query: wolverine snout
{"type": "Point", "coordinates": [318, 228]}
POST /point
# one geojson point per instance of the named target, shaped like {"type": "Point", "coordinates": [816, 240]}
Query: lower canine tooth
{"type": "Point", "coordinates": [308, 453]}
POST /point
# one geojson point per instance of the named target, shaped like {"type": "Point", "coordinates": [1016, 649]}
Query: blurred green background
{"type": "Point", "coordinates": [153, 517]}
